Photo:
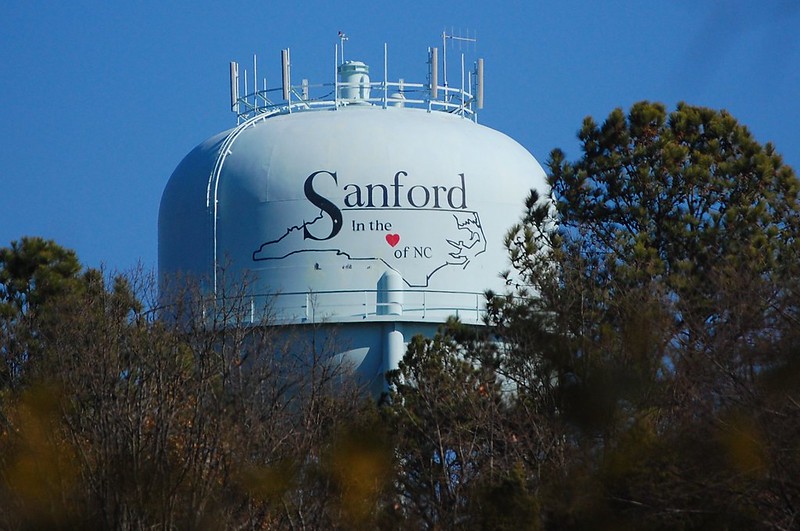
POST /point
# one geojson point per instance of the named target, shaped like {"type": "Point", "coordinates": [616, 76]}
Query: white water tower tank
{"type": "Point", "coordinates": [377, 220]}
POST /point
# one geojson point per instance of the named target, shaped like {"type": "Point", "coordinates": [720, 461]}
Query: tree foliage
{"type": "Point", "coordinates": [32, 271]}
{"type": "Point", "coordinates": [641, 371]}
{"type": "Point", "coordinates": [688, 199]}
{"type": "Point", "coordinates": [445, 412]}
{"type": "Point", "coordinates": [658, 289]}
{"type": "Point", "coordinates": [183, 417]}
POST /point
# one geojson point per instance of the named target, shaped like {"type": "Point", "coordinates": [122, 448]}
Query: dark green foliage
{"type": "Point", "coordinates": [689, 199]}
{"type": "Point", "coordinates": [507, 505]}
{"type": "Point", "coordinates": [665, 303]}
{"type": "Point", "coordinates": [32, 271]}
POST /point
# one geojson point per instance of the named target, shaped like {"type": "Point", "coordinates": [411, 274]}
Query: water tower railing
{"type": "Point", "coordinates": [389, 94]}
{"type": "Point", "coordinates": [361, 305]}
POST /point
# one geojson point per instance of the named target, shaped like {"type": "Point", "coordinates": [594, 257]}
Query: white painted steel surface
{"type": "Point", "coordinates": [379, 211]}
{"type": "Point", "coordinates": [328, 201]}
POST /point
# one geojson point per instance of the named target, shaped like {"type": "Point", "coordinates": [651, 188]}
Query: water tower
{"type": "Point", "coordinates": [373, 208]}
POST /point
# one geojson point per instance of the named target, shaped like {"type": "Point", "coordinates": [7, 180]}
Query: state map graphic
{"type": "Point", "coordinates": [417, 243]}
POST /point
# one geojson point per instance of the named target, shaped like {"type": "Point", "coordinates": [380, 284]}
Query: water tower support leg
{"type": "Point", "coordinates": [394, 348]}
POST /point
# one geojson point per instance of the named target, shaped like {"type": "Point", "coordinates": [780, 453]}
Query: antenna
{"type": "Point", "coordinates": [350, 83]}
{"type": "Point", "coordinates": [285, 69]}
{"type": "Point", "coordinates": [335, 76]}
{"type": "Point", "coordinates": [234, 86]}
{"type": "Point", "coordinates": [385, 73]}
{"type": "Point", "coordinates": [342, 38]}
{"type": "Point", "coordinates": [434, 53]}
{"type": "Point", "coordinates": [458, 38]}
{"type": "Point", "coordinates": [479, 84]}
{"type": "Point", "coordinates": [255, 74]}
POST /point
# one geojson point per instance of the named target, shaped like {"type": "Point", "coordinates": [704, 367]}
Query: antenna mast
{"type": "Point", "coordinates": [342, 38]}
{"type": "Point", "coordinates": [453, 37]}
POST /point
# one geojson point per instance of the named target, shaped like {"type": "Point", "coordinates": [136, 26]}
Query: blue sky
{"type": "Point", "coordinates": [101, 100]}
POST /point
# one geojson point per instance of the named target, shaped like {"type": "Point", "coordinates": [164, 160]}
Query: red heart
{"type": "Point", "coordinates": [392, 239]}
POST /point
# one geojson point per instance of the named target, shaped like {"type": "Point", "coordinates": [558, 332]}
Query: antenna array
{"type": "Point", "coordinates": [465, 100]}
